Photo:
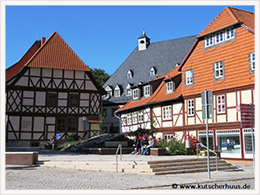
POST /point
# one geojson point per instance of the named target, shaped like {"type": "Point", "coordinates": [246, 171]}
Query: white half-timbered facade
{"type": "Point", "coordinates": [51, 92]}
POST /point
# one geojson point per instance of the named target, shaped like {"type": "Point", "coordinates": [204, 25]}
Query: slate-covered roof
{"type": "Point", "coordinates": [230, 16]}
{"type": "Point", "coordinates": [159, 94]}
{"type": "Point", "coordinates": [162, 55]}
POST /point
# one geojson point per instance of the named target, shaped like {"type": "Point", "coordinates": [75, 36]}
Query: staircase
{"type": "Point", "coordinates": [189, 166]}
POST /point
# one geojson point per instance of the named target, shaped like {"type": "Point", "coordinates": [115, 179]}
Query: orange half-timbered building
{"type": "Point", "coordinates": [222, 60]}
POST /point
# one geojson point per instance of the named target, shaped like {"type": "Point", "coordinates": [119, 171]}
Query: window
{"type": "Point", "coordinates": [252, 62]}
{"type": "Point", "coordinates": [221, 104]}
{"type": "Point", "coordinates": [117, 91]}
{"type": "Point", "coordinates": [72, 124]}
{"type": "Point", "coordinates": [134, 117]}
{"type": "Point", "coordinates": [230, 34]}
{"type": "Point", "coordinates": [191, 107]}
{"type": "Point", "coordinates": [52, 99]}
{"type": "Point", "coordinates": [67, 124]}
{"type": "Point", "coordinates": [147, 91]}
{"type": "Point", "coordinates": [209, 41]}
{"type": "Point", "coordinates": [167, 113]}
{"type": "Point", "coordinates": [135, 94]}
{"type": "Point", "coordinates": [152, 72]}
{"type": "Point", "coordinates": [219, 37]}
{"type": "Point", "coordinates": [109, 91]}
{"type": "Point", "coordinates": [128, 90]}
{"type": "Point", "coordinates": [73, 100]}
{"type": "Point", "coordinates": [140, 116]}
{"type": "Point", "coordinates": [129, 119]}
{"type": "Point", "coordinates": [218, 70]}
{"type": "Point", "coordinates": [129, 74]}
{"type": "Point", "coordinates": [188, 77]}
{"type": "Point", "coordinates": [169, 87]}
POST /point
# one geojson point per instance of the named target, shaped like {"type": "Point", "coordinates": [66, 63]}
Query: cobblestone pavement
{"type": "Point", "coordinates": [43, 178]}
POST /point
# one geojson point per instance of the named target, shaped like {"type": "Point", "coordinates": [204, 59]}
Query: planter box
{"type": "Point", "coordinates": [21, 158]}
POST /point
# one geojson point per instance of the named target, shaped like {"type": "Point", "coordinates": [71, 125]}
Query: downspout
{"type": "Point", "coordinates": [118, 117]}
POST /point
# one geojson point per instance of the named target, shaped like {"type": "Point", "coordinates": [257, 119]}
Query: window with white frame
{"type": "Point", "coordinates": [219, 37]}
{"type": "Point", "coordinates": [218, 70]}
{"type": "Point", "coordinates": [188, 77]}
{"type": "Point", "coordinates": [128, 90]}
{"type": "Point", "coordinates": [167, 112]}
{"type": "Point", "coordinates": [209, 41]}
{"type": "Point", "coordinates": [252, 62]}
{"type": "Point", "coordinates": [147, 91]}
{"type": "Point", "coordinates": [169, 87]}
{"type": "Point", "coordinates": [152, 72]}
{"type": "Point", "coordinates": [129, 74]}
{"type": "Point", "coordinates": [134, 117]}
{"type": "Point", "coordinates": [109, 91]}
{"type": "Point", "coordinates": [117, 91]}
{"type": "Point", "coordinates": [191, 107]}
{"type": "Point", "coordinates": [230, 34]}
{"type": "Point", "coordinates": [140, 116]}
{"type": "Point", "coordinates": [221, 104]}
{"type": "Point", "coordinates": [135, 94]}
{"type": "Point", "coordinates": [129, 118]}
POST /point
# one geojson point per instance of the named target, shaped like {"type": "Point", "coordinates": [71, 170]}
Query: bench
{"type": "Point", "coordinates": [114, 144]}
{"type": "Point", "coordinates": [156, 151]}
{"type": "Point", "coordinates": [21, 158]}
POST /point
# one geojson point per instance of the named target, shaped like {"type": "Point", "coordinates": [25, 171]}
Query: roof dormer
{"type": "Point", "coordinates": [143, 42]}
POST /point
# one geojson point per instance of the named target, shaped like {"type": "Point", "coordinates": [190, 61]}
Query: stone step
{"type": "Point", "coordinates": [183, 163]}
{"type": "Point", "coordinates": [197, 170]}
{"type": "Point", "coordinates": [190, 167]}
{"type": "Point", "coordinates": [182, 160]}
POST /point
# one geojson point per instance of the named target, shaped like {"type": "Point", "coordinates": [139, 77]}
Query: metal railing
{"type": "Point", "coordinates": [119, 148]}
{"type": "Point", "coordinates": [203, 146]}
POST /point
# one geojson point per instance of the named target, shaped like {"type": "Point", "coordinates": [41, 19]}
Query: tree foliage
{"type": "Point", "coordinates": [100, 75]}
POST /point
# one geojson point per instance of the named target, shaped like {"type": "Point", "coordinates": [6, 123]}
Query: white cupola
{"type": "Point", "coordinates": [143, 42]}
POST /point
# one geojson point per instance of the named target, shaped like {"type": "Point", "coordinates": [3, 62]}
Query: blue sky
{"type": "Point", "coordinates": [103, 36]}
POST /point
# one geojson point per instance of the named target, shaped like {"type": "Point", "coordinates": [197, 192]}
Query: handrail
{"type": "Point", "coordinates": [203, 146]}
{"type": "Point", "coordinates": [118, 148]}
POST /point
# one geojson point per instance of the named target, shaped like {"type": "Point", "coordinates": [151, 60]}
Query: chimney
{"type": "Point", "coordinates": [43, 40]}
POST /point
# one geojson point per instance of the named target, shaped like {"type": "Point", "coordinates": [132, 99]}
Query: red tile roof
{"type": "Point", "coordinates": [159, 94]}
{"type": "Point", "coordinates": [14, 69]}
{"type": "Point", "coordinates": [229, 16]}
{"type": "Point", "coordinates": [56, 54]}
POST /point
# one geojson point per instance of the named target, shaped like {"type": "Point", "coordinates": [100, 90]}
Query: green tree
{"type": "Point", "coordinates": [100, 75]}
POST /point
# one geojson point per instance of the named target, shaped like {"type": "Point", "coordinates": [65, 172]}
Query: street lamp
{"type": "Point", "coordinates": [84, 121]}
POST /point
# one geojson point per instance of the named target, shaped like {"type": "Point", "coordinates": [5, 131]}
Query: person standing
{"type": "Point", "coordinates": [136, 145]}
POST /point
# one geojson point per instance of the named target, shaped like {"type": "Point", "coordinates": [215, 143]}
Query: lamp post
{"type": "Point", "coordinates": [84, 121]}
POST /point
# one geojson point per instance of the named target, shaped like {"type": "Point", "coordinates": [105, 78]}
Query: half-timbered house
{"type": "Point", "coordinates": [222, 60]}
{"type": "Point", "coordinates": [50, 90]}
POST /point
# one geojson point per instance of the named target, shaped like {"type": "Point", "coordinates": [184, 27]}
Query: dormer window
{"type": "Point", "coordinates": [109, 91]}
{"type": "Point", "coordinates": [230, 33]}
{"type": "Point", "coordinates": [147, 91]}
{"type": "Point", "coordinates": [152, 72]}
{"type": "Point", "coordinates": [128, 91]}
{"type": "Point", "coordinates": [170, 87]}
{"type": "Point", "coordinates": [129, 74]}
{"type": "Point", "coordinates": [219, 37]}
{"type": "Point", "coordinates": [135, 94]}
{"type": "Point", "coordinates": [209, 41]}
{"type": "Point", "coordinates": [117, 91]}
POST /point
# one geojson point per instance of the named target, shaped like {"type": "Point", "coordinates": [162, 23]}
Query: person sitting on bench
{"type": "Point", "coordinates": [151, 143]}
{"type": "Point", "coordinates": [136, 145]}
{"type": "Point", "coordinates": [144, 144]}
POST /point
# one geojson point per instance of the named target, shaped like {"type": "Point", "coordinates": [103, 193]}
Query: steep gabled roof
{"type": "Point", "coordinates": [228, 17]}
{"type": "Point", "coordinates": [55, 53]}
{"type": "Point", "coordinates": [162, 55]}
{"type": "Point", "coordinates": [14, 69]}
